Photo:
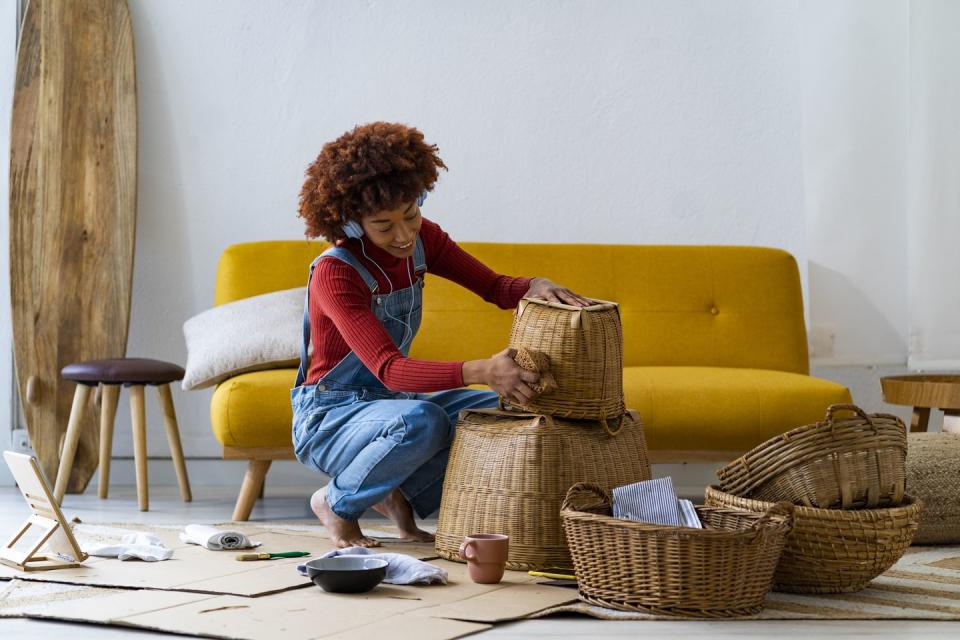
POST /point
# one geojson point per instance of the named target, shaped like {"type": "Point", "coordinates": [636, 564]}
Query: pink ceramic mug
{"type": "Point", "coordinates": [486, 556]}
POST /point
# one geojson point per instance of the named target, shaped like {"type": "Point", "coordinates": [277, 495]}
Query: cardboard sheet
{"type": "Point", "coordinates": [196, 569]}
{"type": "Point", "coordinates": [439, 612]}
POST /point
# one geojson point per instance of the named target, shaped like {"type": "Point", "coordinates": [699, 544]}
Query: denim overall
{"type": "Point", "coordinates": [368, 439]}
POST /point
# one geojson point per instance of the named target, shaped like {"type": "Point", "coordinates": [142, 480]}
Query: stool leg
{"type": "Point", "coordinates": [70, 442]}
{"type": "Point", "coordinates": [173, 437]}
{"type": "Point", "coordinates": [109, 396]}
{"type": "Point", "coordinates": [138, 414]}
{"type": "Point", "coordinates": [920, 419]}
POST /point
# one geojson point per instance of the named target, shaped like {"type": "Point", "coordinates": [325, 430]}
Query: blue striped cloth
{"type": "Point", "coordinates": [654, 501]}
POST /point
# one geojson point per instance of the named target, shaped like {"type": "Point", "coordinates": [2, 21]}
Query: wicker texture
{"type": "Point", "coordinates": [832, 550]}
{"type": "Point", "coordinates": [933, 475]}
{"type": "Point", "coordinates": [849, 462]}
{"type": "Point", "coordinates": [723, 570]}
{"type": "Point", "coordinates": [584, 348]}
{"type": "Point", "coordinates": [509, 472]}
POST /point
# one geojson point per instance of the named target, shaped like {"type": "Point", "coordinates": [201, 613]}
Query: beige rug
{"type": "Point", "coordinates": [925, 584]}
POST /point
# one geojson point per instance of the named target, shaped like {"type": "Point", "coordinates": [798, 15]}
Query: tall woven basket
{"type": "Point", "coordinates": [722, 570]}
{"type": "Point", "coordinates": [833, 550]}
{"type": "Point", "coordinates": [509, 473]}
{"type": "Point", "coordinates": [844, 461]}
{"type": "Point", "coordinates": [583, 348]}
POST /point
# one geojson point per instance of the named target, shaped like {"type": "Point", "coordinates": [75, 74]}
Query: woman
{"type": "Point", "coordinates": [378, 422]}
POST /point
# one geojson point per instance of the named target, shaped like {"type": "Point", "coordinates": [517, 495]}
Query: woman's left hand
{"type": "Point", "coordinates": [544, 289]}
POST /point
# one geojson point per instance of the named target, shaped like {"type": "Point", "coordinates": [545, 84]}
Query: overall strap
{"type": "Point", "coordinates": [345, 256]}
{"type": "Point", "coordinates": [419, 259]}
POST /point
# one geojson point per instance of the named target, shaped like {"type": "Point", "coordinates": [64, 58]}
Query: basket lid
{"type": "Point", "coordinates": [599, 305]}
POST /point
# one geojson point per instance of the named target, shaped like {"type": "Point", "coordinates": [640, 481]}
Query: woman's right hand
{"type": "Point", "coordinates": [502, 374]}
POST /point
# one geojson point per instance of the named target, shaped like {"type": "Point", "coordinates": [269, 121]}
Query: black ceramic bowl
{"type": "Point", "coordinates": [347, 574]}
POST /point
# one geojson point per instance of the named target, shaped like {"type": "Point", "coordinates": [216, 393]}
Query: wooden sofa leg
{"type": "Point", "coordinates": [252, 481]}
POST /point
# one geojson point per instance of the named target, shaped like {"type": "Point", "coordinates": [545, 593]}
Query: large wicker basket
{"type": "Point", "coordinates": [723, 570]}
{"type": "Point", "coordinates": [850, 462]}
{"type": "Point", "coordinates": [509, 472]}
{"type": "Point", "coordinates": [584, 348]}
{"type": "Point", "coordinates": [832, 550]}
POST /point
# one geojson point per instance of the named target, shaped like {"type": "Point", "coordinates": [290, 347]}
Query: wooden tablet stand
{"type": "Point", "coordinates": [45, 514]}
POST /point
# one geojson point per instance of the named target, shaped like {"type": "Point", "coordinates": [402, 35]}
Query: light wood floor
{"type": "Point", "coordinates": [213, 504]}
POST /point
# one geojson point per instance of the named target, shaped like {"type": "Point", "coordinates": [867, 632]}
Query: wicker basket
{"type": "Point", "coordinates": [584, 348]}
{"type": "Point", "coordinates": [723, 570]}
{"type": "Point", "coordinates": [832, 550]}
{"type": "Point", "coordinates": [850, 463]}
{"type": "Point", "coordinates": [933, 475]}
{"type": "Point", "coordinates": [509, 472]}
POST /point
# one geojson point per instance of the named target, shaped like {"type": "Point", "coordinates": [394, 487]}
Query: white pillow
{"type": "Point", "coordinates": [262, 332]}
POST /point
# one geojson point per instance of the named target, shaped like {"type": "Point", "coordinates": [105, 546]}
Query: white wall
{"type": "Point", "coordinates": [8, 49]}
{"type": "Point", "coordinates": [934, 184]}
{"type": "Point", "coordinates": [621, 122]}
{"type": "Point", "coordinates": [854, 78]}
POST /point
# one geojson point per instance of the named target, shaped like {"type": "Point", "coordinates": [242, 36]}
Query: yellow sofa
{"type": "Point", "coordinates": [715, 347]}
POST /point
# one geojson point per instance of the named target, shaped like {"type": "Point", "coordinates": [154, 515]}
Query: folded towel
{"type": "Point", "coordinates": [215, 539]}
{"type": "Point", "coordinates": [401, 569]}
{"type": "Point", "coordinates": [652, 501]}
{"type": "Point", "coordinates": [143, 546]}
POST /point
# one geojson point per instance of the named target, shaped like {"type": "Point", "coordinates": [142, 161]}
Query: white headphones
{"type": "Point", "coordinates": [352, 228]}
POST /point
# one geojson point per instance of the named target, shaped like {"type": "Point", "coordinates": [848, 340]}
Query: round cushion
{"type": "Point", "coordinates": [123, 371]}
{"type": "Point", "coordinates": [933, 475]}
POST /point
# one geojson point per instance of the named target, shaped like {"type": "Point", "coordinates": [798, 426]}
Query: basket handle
{"type": "Point", "coordinates": [584, 496]}
{"type": "Point", "coordinates": [848, 407]}
{"type": "Point", "coordinates": [784, 509]}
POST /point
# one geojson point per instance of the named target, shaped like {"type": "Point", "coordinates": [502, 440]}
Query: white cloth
{"type": "Point", "coordinates": [139, 545]}
{"type": "Point", "coordinates": [215, 539]}
{"type": "Point", "coordinates": [401, 569]}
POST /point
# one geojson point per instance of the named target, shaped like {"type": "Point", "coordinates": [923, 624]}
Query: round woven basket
{"type": "Point", "coordinates": [850, 462]}
{"type": "Point", "coordinates": [832, 550]}
{"type": "Point", "coordinates": [584, 348]}
{"type": "Point", "coordinates": [509, 472]}
{"type": "Point", "coordinates": [933, 475]}
{"type": "Point", "coordinates": [722, 570]}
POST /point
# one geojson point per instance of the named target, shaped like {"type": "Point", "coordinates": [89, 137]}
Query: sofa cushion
{"type": "Point", "coordinates": [708, 409]}
{"type": "Point", "coordinates": [253, 409]}
{"type": "Point", "coordinates": [260, 332]}
{"type": "Point", "coordinates": [714, 409]}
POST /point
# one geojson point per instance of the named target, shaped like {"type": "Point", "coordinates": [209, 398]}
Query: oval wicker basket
{"type": "Point", "coordinates": [832, 550]}
{"type": "Point", "coordinates": [850, 462]}
{"type": "Point", "coordinates": [509, 472]}
{"type": "Point", "coordinates": [722, 570]}
{"type": "Point", "coordinates": [584, 347]}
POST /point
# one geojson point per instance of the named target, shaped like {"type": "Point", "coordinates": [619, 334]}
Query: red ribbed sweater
{"type": "Point", "coordinates": [341, 319]}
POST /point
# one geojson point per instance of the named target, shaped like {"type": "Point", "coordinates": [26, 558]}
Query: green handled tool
{"type": "Point", "coordinates": [270, 556]}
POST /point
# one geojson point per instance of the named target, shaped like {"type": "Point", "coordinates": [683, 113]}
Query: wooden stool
{"type": "Point", "coordinates": [924, 392]}
{"type": "Point", "coordinates": [109, 375]}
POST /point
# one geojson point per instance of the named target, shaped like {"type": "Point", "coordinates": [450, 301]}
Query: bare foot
{"type": "Point", "coordinates": [396, 507]}
{"type": "Point", "coordinates": [344, 533]}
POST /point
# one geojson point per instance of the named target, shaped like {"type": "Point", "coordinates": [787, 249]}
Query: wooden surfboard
{"type": "Point", "coordinates": [73, 186]}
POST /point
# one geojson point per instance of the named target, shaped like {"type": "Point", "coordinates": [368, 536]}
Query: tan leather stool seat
{"type": "Point", "coordinates": [123, 371]}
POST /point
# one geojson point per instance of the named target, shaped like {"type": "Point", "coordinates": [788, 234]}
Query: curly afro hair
{"type": "Point", "coordinates": [375, 167]}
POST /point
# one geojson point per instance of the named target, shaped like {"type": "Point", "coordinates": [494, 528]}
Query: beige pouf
{"type": "Point", "coordinates": [933, 475]}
